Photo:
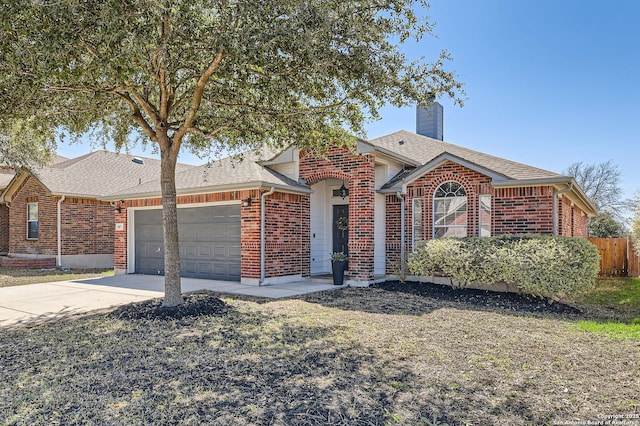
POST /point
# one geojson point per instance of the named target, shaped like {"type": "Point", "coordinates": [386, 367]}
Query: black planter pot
{"type": "Point", "coordinates": [337, 268]}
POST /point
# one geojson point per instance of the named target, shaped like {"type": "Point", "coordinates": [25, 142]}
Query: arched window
{"type": "Point", "coordinates": [450, 211]}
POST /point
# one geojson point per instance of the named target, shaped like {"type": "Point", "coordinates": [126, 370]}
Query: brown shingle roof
{"type": "Point", "coordinates": [230, 171]}
{"type": "Point", "coordinates": [99, 173]}
{"type": "Point", "coordinates": [6, 174]}
{"type": "Point", "coordinates": [423, 149]}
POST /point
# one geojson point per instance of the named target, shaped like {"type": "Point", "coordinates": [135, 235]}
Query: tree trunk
{"type": "Point", "coordinates": [172, 287]}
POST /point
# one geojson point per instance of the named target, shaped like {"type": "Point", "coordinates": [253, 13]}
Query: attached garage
{"type": "Point", "coordinates": [209, 242]}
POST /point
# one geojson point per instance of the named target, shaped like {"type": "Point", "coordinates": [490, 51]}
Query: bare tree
{"type": "Point", "coordinates": [601, 183]}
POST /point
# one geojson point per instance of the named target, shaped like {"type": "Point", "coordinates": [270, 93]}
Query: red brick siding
{"type": "Point", "coordinates": [359, 172]}
{"type": "Point", "coordinates": [305, 209]}
{"type": "Point", "coordinates": [580, 223]}
{"type": "Point", "coordinates": [4, 228]}
{"type": "Point", "coordinates": [87, 224]}
{"type": "Point", "coordinates": [47, 242]}
{"type": "Point", "coordinates": [284, 235]}
{"type": "Point", "coordinates": [565, 227]}
{"type": "Point", "coordinates": [26, 263]}
{"type": "Point", "coordinates": [523, 210]}
{"type": "Point", "coordinates": [572, 221]}
{"type": "Point", "coordinates": [87, 227]}
{"type": "Point", "coordinates": [120, 240]}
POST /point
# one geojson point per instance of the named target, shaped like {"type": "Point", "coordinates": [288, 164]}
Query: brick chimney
{"type": "Point", "coordinates": [430, 120]}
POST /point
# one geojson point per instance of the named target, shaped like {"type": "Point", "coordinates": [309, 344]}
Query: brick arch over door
{"type": "Point", "coordinates": [332, 174]}
{"type": "Point", "coordinates": [358, 172]}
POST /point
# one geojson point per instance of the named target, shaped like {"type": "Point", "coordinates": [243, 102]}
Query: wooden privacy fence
{"type": "Point", "coordinates": [617, 257]}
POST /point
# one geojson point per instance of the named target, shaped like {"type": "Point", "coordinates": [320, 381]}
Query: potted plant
{"type": "Point", "coordinates": [338, 265]}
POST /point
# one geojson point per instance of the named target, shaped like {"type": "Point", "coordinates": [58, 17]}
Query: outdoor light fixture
{"type": "Point", "coordinates": [344, 191]}
{"type": "Point", "coordinates": [119, 207]}
{"type": "Point", "coordinates": [246, 202]}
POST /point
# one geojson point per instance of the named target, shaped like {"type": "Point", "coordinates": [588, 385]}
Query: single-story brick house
{"type": "Point", "coordinates": [276, 218]}
{"type": "Point", "coordinates": [54, 216]}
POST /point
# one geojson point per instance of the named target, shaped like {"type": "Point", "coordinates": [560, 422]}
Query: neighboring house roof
{"type": "Point", "coordinates": [96, 174]}
{"type": "Point", "coordinates": [227, 173]}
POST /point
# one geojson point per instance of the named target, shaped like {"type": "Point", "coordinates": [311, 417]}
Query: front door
{"type": "Point", "coordinates": [340, 231]}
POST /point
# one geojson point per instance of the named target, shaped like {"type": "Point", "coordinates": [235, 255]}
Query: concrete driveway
{"type": "Point", "coordinates": [34, 303]}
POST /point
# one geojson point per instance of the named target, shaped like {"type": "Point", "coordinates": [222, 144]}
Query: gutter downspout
{"type": "Point", "coordinates": [403, 237]}
{"type": "Point", "coordinates": [263, 198]}
{"type": "Point", "coordinates": [555, 206]}
{"type": "Point", "coordinates": [60, 232]}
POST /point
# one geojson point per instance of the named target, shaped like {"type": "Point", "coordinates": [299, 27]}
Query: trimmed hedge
{"type": "Point", "coordinates": [536, 264]}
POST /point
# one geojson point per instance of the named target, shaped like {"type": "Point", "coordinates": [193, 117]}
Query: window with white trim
{"type": "Point", "coordinates": [32, 221]}
{"type": "Point", "coordinates": [484, 209]}
{"type": "Point", "coordinates": [450, 211]}
{"type": "Point", "coordinates": [417, 222]}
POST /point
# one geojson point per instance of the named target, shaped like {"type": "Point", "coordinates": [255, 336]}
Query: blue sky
{"type": "Point", "coordinates": [548, 82]}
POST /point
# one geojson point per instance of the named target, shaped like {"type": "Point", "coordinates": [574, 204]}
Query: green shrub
{"type": "Point", "coordinates": [536, 264]}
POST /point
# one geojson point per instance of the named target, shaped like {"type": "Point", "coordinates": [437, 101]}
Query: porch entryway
{"type": "Point", "coordinates": [329, 223]}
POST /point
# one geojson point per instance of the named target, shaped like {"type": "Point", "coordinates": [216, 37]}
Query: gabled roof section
{"type": "Point", "coordinates": [55, 159]}
{"type": "Point", "coordinates": [6, 174]}
{"type": "Point", "coordinates": [229, 173]}
{"type": "Point", "coordinates": [98, 173]}
{"type": "Point", "coordinates": [423, 150]}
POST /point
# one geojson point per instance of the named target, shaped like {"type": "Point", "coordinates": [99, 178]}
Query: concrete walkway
{"type": "Point", "coordinates": [50, 301]}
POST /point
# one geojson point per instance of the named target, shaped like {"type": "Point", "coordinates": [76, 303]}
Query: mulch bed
{"type": "Point", "coordinates": [482, 299]}
{"type": "Point", "coordinates": [419, 298]}
{"type": "Point", "coordinates": [195, 305]}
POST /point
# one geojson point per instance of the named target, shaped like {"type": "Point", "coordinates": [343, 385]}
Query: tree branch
{"type": "Point", "coordinates": [137, 116]}
{"type": "Point", "coordinates": [162, 71]}
{"type": "Point", "coordinates": [147, 107]}
{"type": "Point", "coordinates": [197, 99]}
{"type": "Point", "coordinates": [209, 134]}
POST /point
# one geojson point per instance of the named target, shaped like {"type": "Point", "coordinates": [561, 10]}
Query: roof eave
{"type": "Point", "coordinates": [365, 147]}
{"type": "Point", "coordinates": [514, 183]}
{"type": "Point", "coordinates": [210, 189]}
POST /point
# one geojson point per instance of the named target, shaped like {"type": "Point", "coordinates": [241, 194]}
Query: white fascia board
{"type": "Point", "coordinates": [515, 183]}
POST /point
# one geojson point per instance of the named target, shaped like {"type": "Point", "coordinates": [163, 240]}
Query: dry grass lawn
{"type": "Point", "coordinates": [348, 357]}
{"type": "Point", "coordinates": [14, 277]}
